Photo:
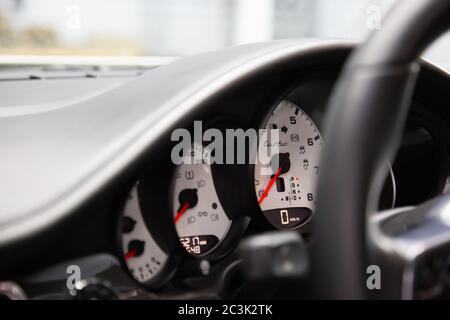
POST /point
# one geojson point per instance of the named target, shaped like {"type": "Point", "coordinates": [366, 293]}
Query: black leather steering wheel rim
{"type": "Point", "coordinates": [367, 114]}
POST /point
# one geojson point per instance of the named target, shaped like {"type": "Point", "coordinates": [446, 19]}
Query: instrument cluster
{"type": "Point", "coordinates": [205, 208]}
{"type": "Point", "coordinates": [283, 194]}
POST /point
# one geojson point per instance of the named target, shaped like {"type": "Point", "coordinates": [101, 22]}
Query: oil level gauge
{"type": "Point", "coordinates": [144, 258]}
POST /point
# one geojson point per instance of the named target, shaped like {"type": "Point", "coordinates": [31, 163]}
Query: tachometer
{"type": "Point", "coordinates": [287, 194]}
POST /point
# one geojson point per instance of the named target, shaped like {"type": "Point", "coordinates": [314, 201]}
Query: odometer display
{"type": "Point", "coordinates": [199, 245]}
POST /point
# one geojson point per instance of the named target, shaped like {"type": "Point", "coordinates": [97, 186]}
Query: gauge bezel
{"type": "Point", "coordinates": [222, 176]}
{"type": "Point", "coordinates": [292, 93]}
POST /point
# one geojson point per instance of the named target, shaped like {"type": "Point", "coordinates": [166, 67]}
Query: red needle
{"type": "Point", "coordinates": [181, 212]}
{"type": "Point", "coordinates": [269, 186]}
{"type": "Point", "coordinates": [130, 254]}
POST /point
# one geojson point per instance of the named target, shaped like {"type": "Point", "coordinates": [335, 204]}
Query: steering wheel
{"type": "Point", "coordinates": [368, 111]}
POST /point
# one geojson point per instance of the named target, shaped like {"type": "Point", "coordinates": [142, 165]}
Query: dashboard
{"type": "Point", "coordinates": [113, 190]}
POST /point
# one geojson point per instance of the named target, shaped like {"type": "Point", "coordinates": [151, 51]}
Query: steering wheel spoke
{"type": "Point", "coordinates": [413, 246]}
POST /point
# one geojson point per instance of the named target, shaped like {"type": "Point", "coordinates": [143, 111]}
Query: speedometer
{"type": "Point", "coordinates": [286, 194]}
{"type": "Point", "coordinates": [199, 217]}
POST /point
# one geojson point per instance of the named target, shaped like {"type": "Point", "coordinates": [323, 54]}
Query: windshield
{"type": "Point", "coordinates": [175, 28]}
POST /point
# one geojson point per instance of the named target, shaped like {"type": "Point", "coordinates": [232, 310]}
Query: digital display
{"type": "Point", "coordinates": [198, 245]}
{"type": "Point", "coordinates": [288, 218]}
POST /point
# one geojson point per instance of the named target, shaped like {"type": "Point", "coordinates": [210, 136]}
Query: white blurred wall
{"type": "Point", "coordinates": [186, 27]}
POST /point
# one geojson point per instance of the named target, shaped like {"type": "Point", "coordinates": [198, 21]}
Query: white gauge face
{"type": "Point", "coordinates": [286, 194]}
{"type": "Point", "coordinates": [143, 257]}
{"type": "Point", "coordinates": [199, 218]}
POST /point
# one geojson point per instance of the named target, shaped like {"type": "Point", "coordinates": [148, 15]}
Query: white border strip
{"type": "Point", "coordinates": [30, 60]}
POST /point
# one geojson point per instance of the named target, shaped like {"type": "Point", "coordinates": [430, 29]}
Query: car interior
{"type": "Point", "coordinates": [101, 196]}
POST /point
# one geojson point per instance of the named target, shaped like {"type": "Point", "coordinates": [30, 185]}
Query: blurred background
{"type": "Point", "coordinates": [175, 28]}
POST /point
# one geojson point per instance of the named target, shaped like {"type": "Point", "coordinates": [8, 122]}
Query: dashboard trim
{"type": "Point", "coordinates": [152, 109]}
{"type": "Point", "coordinates": [51, 171]}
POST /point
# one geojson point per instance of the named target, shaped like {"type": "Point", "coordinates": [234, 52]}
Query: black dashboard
{"type": "Point", "coordinates": [144, 227]}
